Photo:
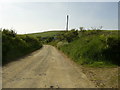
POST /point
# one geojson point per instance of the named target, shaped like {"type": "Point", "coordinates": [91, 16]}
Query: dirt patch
{"type": "Point", "coordinates": [102, 77]}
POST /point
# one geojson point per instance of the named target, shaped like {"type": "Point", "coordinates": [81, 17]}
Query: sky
{"type": "Point", "coordinates": [31, 17]}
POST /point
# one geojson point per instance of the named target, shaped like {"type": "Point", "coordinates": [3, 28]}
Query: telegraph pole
{"type": "Point", "coordinates": [67, 23]}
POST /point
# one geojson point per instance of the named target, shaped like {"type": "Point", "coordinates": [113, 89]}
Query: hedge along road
{"type": "Point", "coordinates": [44, 68]}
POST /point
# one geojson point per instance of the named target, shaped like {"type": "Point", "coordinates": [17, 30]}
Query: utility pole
{"type": "Point", "coordinates": [67, 23]}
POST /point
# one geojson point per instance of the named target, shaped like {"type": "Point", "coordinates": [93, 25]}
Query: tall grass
{"type": "Point", "coordinates": [94, 48]}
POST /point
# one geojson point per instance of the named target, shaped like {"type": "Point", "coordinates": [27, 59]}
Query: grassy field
{"type": "Point", "coordinates": [45, 34]}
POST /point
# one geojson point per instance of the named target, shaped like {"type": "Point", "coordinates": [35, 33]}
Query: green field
{"type": "Point", "coordinates": [46, 34]}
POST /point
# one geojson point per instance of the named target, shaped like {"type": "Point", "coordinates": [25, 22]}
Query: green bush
{"type": "Point", "coordinates": [15, 46]}
{"type": "Point", "coordinates": [69, 36]}
{"type": "Point", "coordinates": [112, 52]}
{"type": "Point", "coordinates": [92, 48]}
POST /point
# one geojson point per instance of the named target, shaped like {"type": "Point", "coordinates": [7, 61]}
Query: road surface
{"type": "Point", "coordinates": [44, 68]}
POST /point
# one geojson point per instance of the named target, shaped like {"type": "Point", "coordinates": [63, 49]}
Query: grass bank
{"type": "Point", "coordinates": [94, 48]}
{"type": "Point", "coordinates": [15, 46]}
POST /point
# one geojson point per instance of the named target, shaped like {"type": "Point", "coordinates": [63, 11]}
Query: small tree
{"type": "Point", "coordinates": [81, 28]}
{"type": "Point", "coordinates": [71, 35]}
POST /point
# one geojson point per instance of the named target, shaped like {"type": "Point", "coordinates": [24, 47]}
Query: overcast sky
{"type": "Point", "coordinates": [30, 17]}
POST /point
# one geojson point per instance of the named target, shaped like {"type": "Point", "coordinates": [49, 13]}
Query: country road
{"type": "Point", "coordinates": [44, 68]}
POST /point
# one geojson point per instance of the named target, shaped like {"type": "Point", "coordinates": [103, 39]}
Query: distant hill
{"type": "Point", "coordinates": [46, 34]}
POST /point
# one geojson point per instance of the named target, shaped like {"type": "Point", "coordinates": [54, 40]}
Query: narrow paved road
{"type": "Point", "coordinates": [44, 68]}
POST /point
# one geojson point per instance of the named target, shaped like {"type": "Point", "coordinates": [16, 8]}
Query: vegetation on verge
{"type": "Point", "coordinates": [87, 47]}
{"type": "Point", "coordinates": [15, 46]}
{"type": "Point", "coordinates": [90, 47]}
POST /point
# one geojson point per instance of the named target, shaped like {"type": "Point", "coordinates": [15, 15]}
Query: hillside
{"type": "Point", "coordinates": [45, 34]}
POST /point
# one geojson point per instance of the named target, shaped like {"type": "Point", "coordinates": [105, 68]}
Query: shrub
{"type": "Point", "coordinates": [15, 46]}
{"type": "Point", "coordinates": [111, 53]}
{"type": "Point", "coordinates": [94, 48]}
{"type": "Point", "coordinates": [71, 35]}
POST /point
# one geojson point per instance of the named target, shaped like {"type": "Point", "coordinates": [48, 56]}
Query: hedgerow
{"type": "Point", "coordinates": [15, 46]}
